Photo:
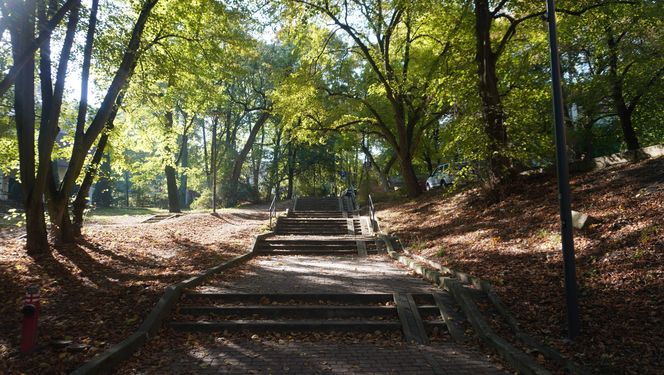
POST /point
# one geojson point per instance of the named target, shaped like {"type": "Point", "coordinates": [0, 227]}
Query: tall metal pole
{"type": "Point", "coordinates": [573, 322]}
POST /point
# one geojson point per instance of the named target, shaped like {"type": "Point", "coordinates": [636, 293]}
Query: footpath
{"type": "Point", "coordinates": [322, 297]}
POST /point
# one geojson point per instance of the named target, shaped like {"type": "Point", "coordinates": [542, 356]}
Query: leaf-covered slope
{"type": "Point", "coordinates": [516, 246]}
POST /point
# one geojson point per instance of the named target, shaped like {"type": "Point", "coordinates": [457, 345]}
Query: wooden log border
{"type": "Point", "coordinates": [454, 282]}
{"type": "Point", "coordinates": [105, 362]}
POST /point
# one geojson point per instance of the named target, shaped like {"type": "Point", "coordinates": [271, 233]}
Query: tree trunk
{"type": "Point", "coordinates": [214, 163]}
{"type": "Point", "coordinates": [231, 194]}
{"type": "Point", "coordinates": [81, 200]}
{"type": "Point", "coordinates": [126, 178]}
{"type": "Point", "coordinates": [84, 140]}
{"type": "Point", "coordinates": [35, 227]}
{"type": "Point", "coordinates": [22, 29]}
{"type": "Point", "coordinates": [62, 229]}
{"type": "Point", "coordinates": [623, 111]}
{"type": "Point", "coordinates": [292, 154]}
{"type": "Point", "coordinates": [206, 167]}
{"type": "Point", "coordinates": [408, 172]}
{"type": "Point", "coordinates": [184, 163]}
{"type": "Point", "coordinates": [25, 59]}
{"type": "Point", "coordinates": [172, 187]}
{"type": "Point", "coordinates": [257, 160]}
{"type": "Point", "coordinates": [383, 173]}
{"type": "Point", "coordinates": [169, 170]}
{"type": "Point", "coordinates": [492, 107]}
{"type": "Point", "coordinates": [274, 179]}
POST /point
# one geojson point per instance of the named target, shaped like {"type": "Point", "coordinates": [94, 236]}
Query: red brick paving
{"type": "Point", "coordinates": [180, 353]}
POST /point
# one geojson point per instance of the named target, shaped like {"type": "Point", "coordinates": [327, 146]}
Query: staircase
{"type": "Point", "coordinates": [312, 226]}
{"type": "Point", "coordinates": [314, 205]}
{"type": "Point", "coordinates": [320, 226]}
{"type": "Point", "coordinates": [416, 316]}
{"type": "Point", "coordinates": [310, 245]}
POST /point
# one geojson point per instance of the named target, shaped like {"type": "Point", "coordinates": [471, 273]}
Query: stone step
{"type": "Point", "coordinates": [288, 325]}
{"type": "Point", "coordinates": [310, 312]}
{"type": "Point", "coordinates": [303, 242]}
{"type": "Point", "coordinates": [292, 298]}
{"type": "Point", "coordinates": [309, 252]}
{"type": "Point", "coordinates": [299, 311]}
{"type": "Point", "coordinates": [313, 248]}
{"type": "Point", "coordinates": [312, 225]}
{"type": "Point", "coordinates": [316, 232]}
{"type": "Point", "coordinates": [325, 222]}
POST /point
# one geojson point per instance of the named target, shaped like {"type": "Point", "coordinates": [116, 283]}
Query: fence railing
{"type": "Point", "coordinates": [273, 209]}
{"type": "Point", "coordinates": [372, 214]}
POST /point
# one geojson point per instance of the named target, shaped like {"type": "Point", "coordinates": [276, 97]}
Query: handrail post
{"type": "Point", "coordinates": [273, 209]}
{"type": "Point", "coordinates": [372, 213]}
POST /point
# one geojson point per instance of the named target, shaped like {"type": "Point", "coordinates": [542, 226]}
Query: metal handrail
{"type": "Point", "coordinates": [372, 213]}
{"type": "Point", "coordinates": [273, 209]}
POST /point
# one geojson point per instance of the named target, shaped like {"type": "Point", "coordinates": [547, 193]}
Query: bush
{"type": "Point", "coordinates": [203, 202]}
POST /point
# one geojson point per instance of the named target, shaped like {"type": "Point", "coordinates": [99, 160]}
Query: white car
{"type": "Point", "coordinates": [441, 176]}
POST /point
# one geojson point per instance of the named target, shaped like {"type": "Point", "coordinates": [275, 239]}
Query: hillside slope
{"type": "Point", "coordinates": [516, 246]}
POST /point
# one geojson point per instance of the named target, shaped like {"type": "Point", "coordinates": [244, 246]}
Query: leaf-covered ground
{"type": "Point", "coordinates": [516, 246]}
{"type": "Point", "coordinates": [97, 292]}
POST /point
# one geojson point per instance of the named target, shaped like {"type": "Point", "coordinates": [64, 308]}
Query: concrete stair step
{"type": "Point", "coordinates": [291, 298]}
{"type": "Point", "coordinates": [298, 311]}
{"type": "Point", "coordinates": [288, 325]}
{"type": "Point", "coordinates": [309, 252]}
{"type": "Point", "coordinates": [295, 242]}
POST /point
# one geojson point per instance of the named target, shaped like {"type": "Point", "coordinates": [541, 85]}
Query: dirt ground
{"type": "Point", "coordinates": [516, 246]}
{"type": "Point", "coordinates": [97, 292]}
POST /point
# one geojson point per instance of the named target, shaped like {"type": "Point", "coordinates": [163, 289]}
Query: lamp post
{"type": "Point", "coordinates": [573, 322]}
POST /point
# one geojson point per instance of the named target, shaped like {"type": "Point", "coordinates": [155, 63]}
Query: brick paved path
{"type": "Point", "coordinates": [180, 353]}
{"type": "Point", "coordinates": [323, 274]}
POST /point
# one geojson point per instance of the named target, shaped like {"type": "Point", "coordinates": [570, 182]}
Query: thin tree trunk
{"type": "Point", "coordinates": [126, 178]}
{"type": "Point", "coordinates": [275, 161]}
{"type": "Point", "coordinates": [292, 154]}
{"type": "Point", "coordinates": [25, 59]}
{"type": "Point", "coordinates": [84, 140]}
{"type": "Point", "coordinates": [81, 200]}
{"type": "Point", "coordinates": [617, 94]}
{"type": "Point", "coordinates": [60, 227]}
{"type": "Point", "coordinates": [383, 173]}
{"type": "Point", "coordinates": [171, 179]}
{"type": "Point", "coordinates": [184, 163]}
{"type": "Point", "coordinates": [231, 199]}
{"type": "Point", "coordinates": [257, 161]}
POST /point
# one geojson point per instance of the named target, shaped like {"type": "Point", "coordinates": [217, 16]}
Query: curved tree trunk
{"type": "Point", "coordinates": [621, 107]}
{"type": "Point", "coordinates": [85, 139]}
{"type": "Point", "coordinates": [231, 194]}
